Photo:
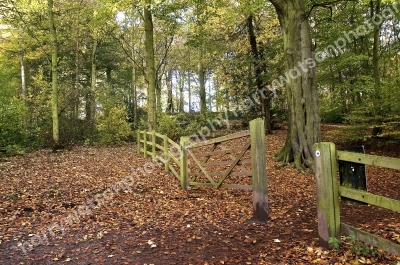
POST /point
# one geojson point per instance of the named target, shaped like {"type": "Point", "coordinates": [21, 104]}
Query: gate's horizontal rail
{"type": "Point", "coordinates": [372, 160]}
{"type": "Point", "coordinates": [233, 174]}
{"type": "Point", "coordinates": [228, 162]}
{"type": "Point", "coordinates": [222, 139]}
{"type": "Point", "coordinates": [370, 198]}
{"type": "Point", "coordinates": [220, 152]}
{"type": "Point", "coordinates": [228, 186]}
{"type": "Point", "coordinates": [371, 239]}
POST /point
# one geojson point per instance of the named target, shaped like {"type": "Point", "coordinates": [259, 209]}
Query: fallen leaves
{"type": "Point", "coordinates": [159, 223]}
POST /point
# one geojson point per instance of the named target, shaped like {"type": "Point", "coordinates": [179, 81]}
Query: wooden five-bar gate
{"type": "Point", "coordinates": [224, 162]}
{"type": "Point", "coordinates": [329, 191]}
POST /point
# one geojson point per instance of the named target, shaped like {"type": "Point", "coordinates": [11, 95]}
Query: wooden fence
{"type": "Point", "coordinates": [193, 168]}
{"type": "Point", "coordinates": [328, 192]}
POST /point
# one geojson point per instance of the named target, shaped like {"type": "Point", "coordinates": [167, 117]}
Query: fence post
{"type": "Point", "coordinates": [145, 143]}
{"type": "Point", "coordinates": [153, 148]}
{"type": "Point", "coordinates": [166, 154]}
{"type": "Point", "coordinates": [259, 171]}
{"type": "Point", "coordinates": [138, 141]}
{"type": "Point", "coordinates": [327, 193]}
{"type": "Point", "coordinates": [183, 162]}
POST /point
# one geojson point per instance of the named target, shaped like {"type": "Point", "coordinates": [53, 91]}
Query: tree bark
{"type": "Point", "coordinates": [150, 66]}
{"type": "Point", "coordinates": [304, 120]}
{"type": "Point", "coordinates": [133, 81]}
{"type": "Point", "coordinates": [202, 84]}
{"type": "Point", "coordinates": [77, 84]}
{"type": "Point", "coordinates": [170, 102]}
{"type": "Point", "coordinates": [181, 86]}
{"type": "Point", "coordinates": [54, 76]}
{"type": "Point", "coordinates": [375, 10]}
{"type": "Point", "coordinates": [22, 63]}
{"type": "Point", "coordinates": [90, 95]}
{"type": "Point", "coordinates": [257, 69]}
{"type": "Point", "coordinates": [190, 91]}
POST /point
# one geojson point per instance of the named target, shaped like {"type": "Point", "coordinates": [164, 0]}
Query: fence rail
{"type": "Point", "coordinates": [180, 159]}
{"type": "Point", "coordinates": [328, 192]}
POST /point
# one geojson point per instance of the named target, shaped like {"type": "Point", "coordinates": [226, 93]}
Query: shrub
{"type": "Point", "coordinates": [170, 126]}
{"type": "Point", "coordinates": [112, 126]}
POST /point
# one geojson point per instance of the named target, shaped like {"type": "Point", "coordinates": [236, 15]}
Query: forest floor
{"type": "Point", "coordinates": [157, 222]}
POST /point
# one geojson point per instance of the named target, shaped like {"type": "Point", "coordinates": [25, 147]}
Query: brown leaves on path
{"type": "Point", "coordinates": [156, 222]}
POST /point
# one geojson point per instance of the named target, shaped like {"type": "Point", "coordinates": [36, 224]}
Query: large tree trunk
{"type": "Point", "coordinates": [304, 120]}
{"type": "Point", "coordinates": [150, 66]}
{"type": "Point", "coordinates": [257, 69]}
{"type": "Point", "coordinates": [54, 76]}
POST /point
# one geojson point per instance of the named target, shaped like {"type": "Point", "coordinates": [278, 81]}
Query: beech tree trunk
{"type": "Point", "coordinates": [150, 66]}
{"type": "Point", "coordinates": [54, 76]}
{"type": "Point", "coordinates": [304, 120]}
{"type": "Point", "coordinates": [257, 70]}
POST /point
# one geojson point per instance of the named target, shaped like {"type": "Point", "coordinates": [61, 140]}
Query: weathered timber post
{"type": "Point", "coordinates": [327, 193]}
{"type": "Point", "coordinates": [153, 147]}
{"type": "Point", "coordinates": [183, 162]}
{"type": "Point", "coordinates": [166, 154]}
{"type": "Point", "coordinates": [138, 141]}
{"type": "Point", "coordinates": [145, 144]}
{"type": "Point", "coordinates": [259, 171]}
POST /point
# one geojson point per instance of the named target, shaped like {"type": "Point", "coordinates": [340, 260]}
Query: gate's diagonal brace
{"type": "Point", "coordinates": [233, 157]}
{"type": "Point", "coordinates": [206, 159]}
{"type": "Point", "coordinates": [201, 167]}
{"type": "Point", "coordinates": [228, 171]}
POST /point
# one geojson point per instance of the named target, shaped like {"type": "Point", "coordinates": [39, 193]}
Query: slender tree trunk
{"type": "Point", "coordinates": [202, 84]}
{"type": "Point", "coordinates": [304, 120]}
{"type": "Point", "coordinates": [22, 63]}
{"type": "Point", "coordinates": [375, 10]}
{"type": "Point", "coordinates": [216, 87]}
{"type": "Point", "coordinates": [150, 66]}
{"type": "Point", "coordinates": [76, 86]}
{"type": "Point", "coordinates": [170, 103]}
{"type": "Point", "coordinates": [209, 97]}
{"type": "Point", "coordinates": [190, 91]}
{"type": "Point", "coordinates": [257, 68]}
{"type": "Point", "coordinates": [181, 86]}
{"type": "Point", "coordinates": [91, 95]}
{"type": "Point", "coordinates": [133, 81]}
{"type": "Point", "coordinates": [134, 92]}
{"type": "Point", "coordinates": [54, 76]}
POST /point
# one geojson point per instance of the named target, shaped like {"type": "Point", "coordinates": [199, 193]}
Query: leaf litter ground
{"type": "Point", "coordinates": [159, 223]}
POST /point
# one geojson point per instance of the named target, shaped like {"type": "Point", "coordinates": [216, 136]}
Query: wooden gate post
{"type": "Point", "coordinates": [183, 162]}
{"type": "Point", "coordinates": [327, 193]}
{"type": "Point", "coordinates": [259, 171]}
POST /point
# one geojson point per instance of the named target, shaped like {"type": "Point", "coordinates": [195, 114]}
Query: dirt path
{"type": "Point", "coordinates": [158, 223]}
